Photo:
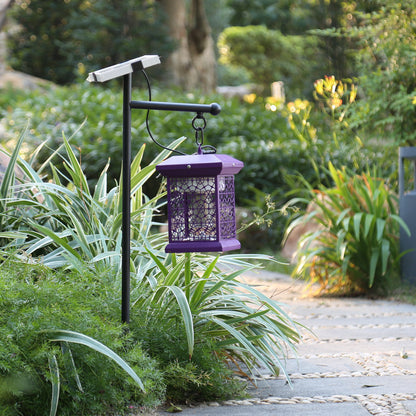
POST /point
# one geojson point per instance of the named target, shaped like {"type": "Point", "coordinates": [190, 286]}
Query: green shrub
{"type": "Point", "coordinates": [34, 302]}
{"type": "Point", "coordinates": [268, 55]}
{"type": "Point", "coordinates": [240, 128]}
{"type": "Point", "coordinates": [355, 248]}
{"type": "Point", "coordinates": [70, 226]}
{"type": "Point", "coordinates": [211, 301]}
{"type": "Point", "coordinates": [206, 377]}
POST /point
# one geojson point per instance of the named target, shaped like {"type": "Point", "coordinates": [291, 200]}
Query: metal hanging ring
{"type": "Point", "coordinates": [199, 116]}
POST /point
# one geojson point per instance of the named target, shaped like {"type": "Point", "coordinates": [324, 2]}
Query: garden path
{"type": "Point", "coordinates": [361, 360]}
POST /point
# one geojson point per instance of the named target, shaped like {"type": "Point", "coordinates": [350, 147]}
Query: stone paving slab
{"type": "Point", "coordinates": [333, 386]}
{"type": "Point", "coordinates": [348, 409]}
{"type": "Point", "coordinates": [356, 332]}
{"type": "Point", "coordinates": [411, 406]}
{"type": "Point", "coordinates": [358, 320]}
{"type": "Point", "coordinates": [406, 364]}
{"type": "Point", "coordinates": [387, 345]}
{"type": "Point", "coordinates": [321, 365]}
{"type": "Point", "coordinates": [359, 307]}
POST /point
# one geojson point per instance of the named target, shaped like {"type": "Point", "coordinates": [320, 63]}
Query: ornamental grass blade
{"type": "Point", "coordinates": [249, 347]}
{"type": "Point", "coordinates": [13, 234]}
{"type": "Point", "coordinates": [274, 307]}
{"type": "Point", "coordinates": [380, 225]}
{"type": "Point", "coordinates": [402, 223]}
{"type": "Point", "coordinates": [186, 315]}
{"type": "Point", "coordinates": [342, 216]}
{"type": "Point", "coordinates": [56, 384]}
{"type": "Point", "coordinates": [70, 364]}
{"type": "Point", "coordinates": [368, 224]}
{"type": "Point", "coordinates": [135, 165]}
{"type": "Point", "coordinates": [199, 289]}
{"type": "Point", "coordinates": [100, 189]}
{"type": "Point", "coordinates": [357, 225]}
{"type": "Point", "coordinates": [220, 283]}
{"type": "Point", "coordinates": [74, 169]}
{"type": "Point", "coordinates": [375, 255]}
{"type": "Point", "coordinates": [9, 176]}
{"type": "Point", "coordinates": [385, 255]}
{"type": "Point", "coordinates": [58, 240]}
{"type": "Point", "coordinates": [159, 263]}
{"type": "Point", "coordinates": [165, 152]}
{"type": "Point", "coordinates": [78, 338]}
{"type": "Point", "coordinates": [171, 279]}
{"type": "Point", "coordinates": [188, 274]}
{"type": "Point", "coordinates": [140, 178]}
{"type": "Point", "coordinates": [341, 244]}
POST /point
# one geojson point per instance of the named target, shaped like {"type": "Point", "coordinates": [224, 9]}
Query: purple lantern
{"type": "Point", "coordinates": [201, 202]}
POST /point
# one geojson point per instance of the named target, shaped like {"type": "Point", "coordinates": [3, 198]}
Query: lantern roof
{"type": "Point", "coordinates": [200, 165]}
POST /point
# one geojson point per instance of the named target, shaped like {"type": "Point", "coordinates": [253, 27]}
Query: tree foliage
{"type": "Point", "coordinates": [333, 54]}
{"type": "Point", "coordinates": [266, 54]}
{"type": "Point", "coordinates": [386, 64]}
{"type": "Point", "coordinates": [56, 40]}
{"type": "Point", "coordinates": [288, 16]}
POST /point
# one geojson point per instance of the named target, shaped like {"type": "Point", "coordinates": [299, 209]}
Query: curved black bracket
{"type": "Point", "coordinates": [213, 108]}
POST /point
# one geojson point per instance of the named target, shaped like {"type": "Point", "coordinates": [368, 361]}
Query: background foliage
{"type": "Point", "coordinates": [386, 61]}
{"type": "Point", "coordinates": [274, 145]}
{"type": "Point", "coordinates": [59, 41]}
{"type": "Point", "coordinates": [268, 55]}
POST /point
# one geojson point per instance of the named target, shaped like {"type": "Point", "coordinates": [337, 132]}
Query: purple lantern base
{"type": "Point", "coordinates": [203, 246]}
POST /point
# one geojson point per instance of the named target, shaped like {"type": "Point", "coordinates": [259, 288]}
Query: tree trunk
{"type": "Point", "coordinates": [192, 63]}
{"type": "Point", "coordinates": [4, 6]}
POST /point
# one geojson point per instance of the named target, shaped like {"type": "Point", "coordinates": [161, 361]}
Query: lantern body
{"type": "Point", "coordinates": [201, 202]}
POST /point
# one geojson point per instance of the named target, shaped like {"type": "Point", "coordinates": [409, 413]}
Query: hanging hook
{"type": "Point", "coordinates": [199, 134]}
{"type": "Point", "coordinates": [199, 131]}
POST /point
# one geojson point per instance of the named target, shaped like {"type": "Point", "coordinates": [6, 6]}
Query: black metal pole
{"type": "Point", "coordinates": [213, 108]}
{"type": "Point", "coordinates": [125, 245]}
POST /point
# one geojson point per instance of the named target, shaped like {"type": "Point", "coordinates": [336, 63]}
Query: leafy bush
{"type": "Point", "coordinates": [267, 55]}
{"type": "Point", "coordinates": [275, 142]}
{"type": "Point", "coordinates": [204, 378]}
{"type": "Point", "coordinates": [356, 245]}
{"type": "Point", "coordinates": [36, 302]}
{"type": "Point", "coordinates": [239, 129]}
{"type": "Point", "coordinates": [72, 227]}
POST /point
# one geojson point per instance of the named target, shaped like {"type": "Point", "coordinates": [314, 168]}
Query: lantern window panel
{"type": "Point", "coordinates": [192, 209]}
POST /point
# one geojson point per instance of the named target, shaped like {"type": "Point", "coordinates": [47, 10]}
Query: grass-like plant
{"type": "Point", "coordinates": [355, 247]}
{"type": "Point", "coordinates": [244, 324]}
{"type": "Point", "coordinates": [72, 227]}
